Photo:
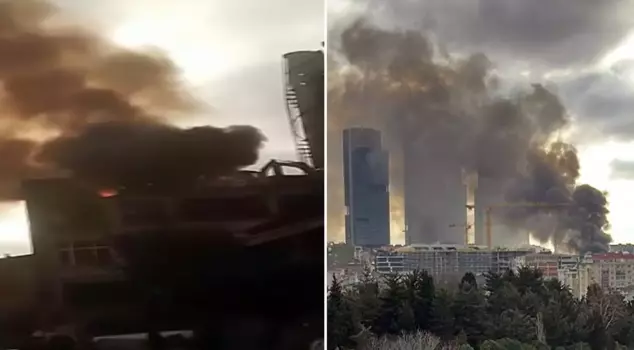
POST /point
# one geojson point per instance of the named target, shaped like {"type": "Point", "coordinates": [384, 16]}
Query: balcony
{"type": "Point", "coordinates": [88, 262]}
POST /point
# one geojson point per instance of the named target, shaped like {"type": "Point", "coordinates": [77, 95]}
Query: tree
{"type": "Point", "coordinates": [530, 280]}
{"type": "Point", "coordinates": [493, 281]}
{"type": "Point", "coordinates": [366, 298]}
{"type": "Point", "coordinates": [468, 281]}
{"type": "Point", "coordinates": [512, 310]}
{"type": "Point", "coordinates": [504, 344]}
{"type": "Point", "coordinates": [626, 334]}
{"type": "Point", "coordinates": [391, 310]}
{"type": "Point", "coordinates": [422, 298]}
{"type": "Point", "coordinates": [442, 315]}
{"type": "Point", "coordinates": [605, 314]}
{"type": "Point", "coordinates": [504, 297]}
{"type": "Point", "coordinates": [340, 318]}
{"type": "Point", "coordinates": [469, 309]}
{"type": "Point", "coordinates": [416, 340]}
{"type": "Point", "coordinates": [562, 320]}
{"type": "Point", "coordinates": [513, 324]}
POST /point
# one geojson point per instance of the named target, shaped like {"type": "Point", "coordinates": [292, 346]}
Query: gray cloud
{"type": "Point", "coordinates": [535, 36]}
{"type": "Point", "coordinates": [258, 102]}
{"type": "Point", "coordinates": [526, 39]}
{"type": "Point", "coordinates": [622, 169]}
{"type": "Point", "coordinates": [602, 103]}
{"type": "Point", "coordinates": [551, 33]}
{"type": "Point", "coordinates": [253, 34]}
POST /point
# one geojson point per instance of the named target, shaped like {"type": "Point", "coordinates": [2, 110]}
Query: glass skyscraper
{"type": "Point", "coordinates": [366, 185]}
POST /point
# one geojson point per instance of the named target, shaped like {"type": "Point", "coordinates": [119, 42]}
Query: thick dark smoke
{"type": "Point", "coordinates": [448, 112]}
{"type": "Point", "coordinates": [132, 155]}
{"type": "Point", "coordinates": [72, 101]}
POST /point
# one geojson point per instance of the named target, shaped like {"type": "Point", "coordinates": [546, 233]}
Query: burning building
{"type": "Point", "coordinates": [76, 104]}
{"type": "Point", "coordinates": [445, 113]}
{"type": "Point", "coordinates": [83, 244]}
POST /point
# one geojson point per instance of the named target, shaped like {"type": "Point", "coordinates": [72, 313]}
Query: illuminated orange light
{"type": "Point", "coordinates": [107, 193]}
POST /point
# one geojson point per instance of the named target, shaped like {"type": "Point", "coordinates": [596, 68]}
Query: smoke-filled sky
{"type": "Point", "coordinates": [229, 52]}
{"type": "Point", "coordinates": [199, 63]}
{"type": "Point", "coordinates": [581, 51]}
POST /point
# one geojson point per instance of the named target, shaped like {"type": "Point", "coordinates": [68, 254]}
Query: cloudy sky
{"type": "Point", "coordinates": [583, 49]}
{"type": "Point", "coordinates": [229, 52]}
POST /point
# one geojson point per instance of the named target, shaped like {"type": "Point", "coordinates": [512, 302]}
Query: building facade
{"type": "Point", "coordinates": [548, 263]}
{"type": "Point", "coordinates": [304, 87]}
{"type": "Point", "coordinates": [577, 274]}
{"type": "Point", "coordinates": [75, 230]}
{"type": "Point", "coordinates": [622, 248]}
{"type": "Point", "coordinates": [392, 262]}
{"type": "Point", "coordinates": [435, 196]}
{"type": "Point", "coordinates": [347, 277]}
{"type": "Point", "coordinates": [366, 186]}
{"type": "Point", "coordinates": [447, 259]}
{"type": "Point", "coordinates": [613, 271]}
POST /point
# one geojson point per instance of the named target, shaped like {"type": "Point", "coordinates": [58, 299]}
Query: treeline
{"type": "Point", "coordinates": [522, 310]}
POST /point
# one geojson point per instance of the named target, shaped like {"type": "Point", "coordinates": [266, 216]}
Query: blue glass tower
{"type": "Point", "coordinates": [366, 186]}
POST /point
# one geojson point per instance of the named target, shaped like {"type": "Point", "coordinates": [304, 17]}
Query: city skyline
{"type": "Point", "coordinates": [592, 86]}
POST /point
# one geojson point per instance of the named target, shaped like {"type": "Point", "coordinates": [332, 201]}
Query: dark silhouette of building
{"type": "Point", "coordinates": [366, 184]}
{"type": "Point", "coordinates": [304, 80]}
{"type": "Point", "coordinates": [88, 244]}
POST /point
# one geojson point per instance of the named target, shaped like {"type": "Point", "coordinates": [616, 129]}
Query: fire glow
{"type": "Point", "coordinates": [107, 193]}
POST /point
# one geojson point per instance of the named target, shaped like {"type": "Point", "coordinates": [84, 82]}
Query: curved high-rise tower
{"type": "Point", "coordinates": [304, 94]}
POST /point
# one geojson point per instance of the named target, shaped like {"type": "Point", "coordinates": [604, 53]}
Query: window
{"type": "Point", "coordinates": [85, 253]}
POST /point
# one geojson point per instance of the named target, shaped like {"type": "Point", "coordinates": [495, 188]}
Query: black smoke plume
{"type": "Point", "coordinates": [450, 112]}
{"type": "Point", "coordinates": [72, 101]}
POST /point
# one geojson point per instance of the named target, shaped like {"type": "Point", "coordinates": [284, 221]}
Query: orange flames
{"type": "Point", "coordinates": [107, 193]}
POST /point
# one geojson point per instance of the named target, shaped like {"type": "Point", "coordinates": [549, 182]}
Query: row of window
{"type": "Point", "coordinates": [86, 255]}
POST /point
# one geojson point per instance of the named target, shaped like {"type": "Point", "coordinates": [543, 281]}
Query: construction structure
{"type": "Point", "coordinates": [304, 95]}
{"type": "Point", "coordinates": [470, 181]}
{"type": "Point", "coordinates": [448, 259]}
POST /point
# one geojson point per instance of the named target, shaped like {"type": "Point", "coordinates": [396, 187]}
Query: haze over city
{"type": "Point", "coordinates": [581, 54]}
{"type": "Point", "coordinates": [226, 57]}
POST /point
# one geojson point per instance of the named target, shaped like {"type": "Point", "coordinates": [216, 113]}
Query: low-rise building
{"type": "Point", "coordinates": [548, 263]}
{"type": "Point", "coordinates": [391, 262]}
{"type": "Point", "coordinates": [347, 277]}
{"type": "Point", "coordinates": [447, 259]}
{"type": "Point", "coordinates": [627, 247]}
{"type": "Point", "coordinates": [613, 270]}
{"type": "Point", "coordinates": [503, 259]}
{"type": "Point", "coordinates": [577, 277]}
